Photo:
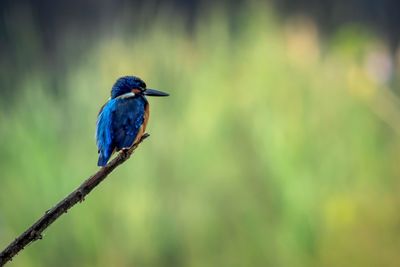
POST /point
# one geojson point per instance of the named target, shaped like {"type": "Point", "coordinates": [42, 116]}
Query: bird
{"type": "Point", "coordinates": [122, 120]}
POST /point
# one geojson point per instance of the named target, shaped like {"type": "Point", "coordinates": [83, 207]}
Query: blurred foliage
{"type": "Point", "coordinates": [274, 149]}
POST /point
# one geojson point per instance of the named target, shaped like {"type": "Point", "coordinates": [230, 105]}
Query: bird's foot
{"type": "Point", "coordinates": [124, 150]}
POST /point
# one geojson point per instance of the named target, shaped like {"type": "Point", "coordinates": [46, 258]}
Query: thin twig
{"type": "Point", "coordinates": [35, 231]}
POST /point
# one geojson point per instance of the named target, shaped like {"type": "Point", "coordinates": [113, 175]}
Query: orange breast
{"type": "Point", "coordinates": [146, 117]}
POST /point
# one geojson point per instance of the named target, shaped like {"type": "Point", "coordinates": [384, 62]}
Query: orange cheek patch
{"type": "Point", "coordinates": [135, 91]}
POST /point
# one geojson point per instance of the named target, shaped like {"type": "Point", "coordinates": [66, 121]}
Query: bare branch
{"type": "Point", "coordinates": [35, 231]}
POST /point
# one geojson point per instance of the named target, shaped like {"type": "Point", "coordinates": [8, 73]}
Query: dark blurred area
{"type": "Point", "coordinates": [55, 17]}
{"type": "Point", "coordinates": [55, 21]}
{"type": "Point", "coordinates": [379, 15]}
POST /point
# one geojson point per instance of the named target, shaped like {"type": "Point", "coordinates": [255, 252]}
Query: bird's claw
{"type": "Point", "coordinates": [125, 150]}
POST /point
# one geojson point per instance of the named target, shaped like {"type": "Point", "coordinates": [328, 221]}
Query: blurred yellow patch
{"type": "Point", "coordinates": [340, 212]}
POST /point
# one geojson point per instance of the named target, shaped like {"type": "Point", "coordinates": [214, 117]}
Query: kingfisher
{"type": "Point", "coordinates": [123, 119]}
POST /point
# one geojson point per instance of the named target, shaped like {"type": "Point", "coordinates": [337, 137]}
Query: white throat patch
{"type": "Point", "coordinates": [126, 95]}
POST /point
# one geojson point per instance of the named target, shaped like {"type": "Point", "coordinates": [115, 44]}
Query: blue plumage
{"type": "Point", "coordinates": [118, 125]}
{"type": "Point", "coordinates": [104, 132]}
{"type": "Point", "coordinates": [124, 117]}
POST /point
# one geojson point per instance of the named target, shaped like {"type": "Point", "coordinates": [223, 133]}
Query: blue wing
{"type": "Point", "coordinates": [118, 125]}
{"type": "Point", "coordinates": [104, 132]}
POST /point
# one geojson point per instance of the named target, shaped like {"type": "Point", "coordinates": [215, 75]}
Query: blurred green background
{"type": "Point", "coordinates": [279, 144]}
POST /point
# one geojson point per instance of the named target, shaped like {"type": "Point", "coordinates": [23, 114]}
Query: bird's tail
{"type": "Point", "coordinates": [103, 159]}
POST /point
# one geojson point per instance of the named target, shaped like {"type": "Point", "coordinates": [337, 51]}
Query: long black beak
{"type": "Point", "coordinates": [151, 92]}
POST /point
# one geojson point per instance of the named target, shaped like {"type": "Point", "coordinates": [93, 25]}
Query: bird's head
{"type": "Point", "coordinates": [130, 86]}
